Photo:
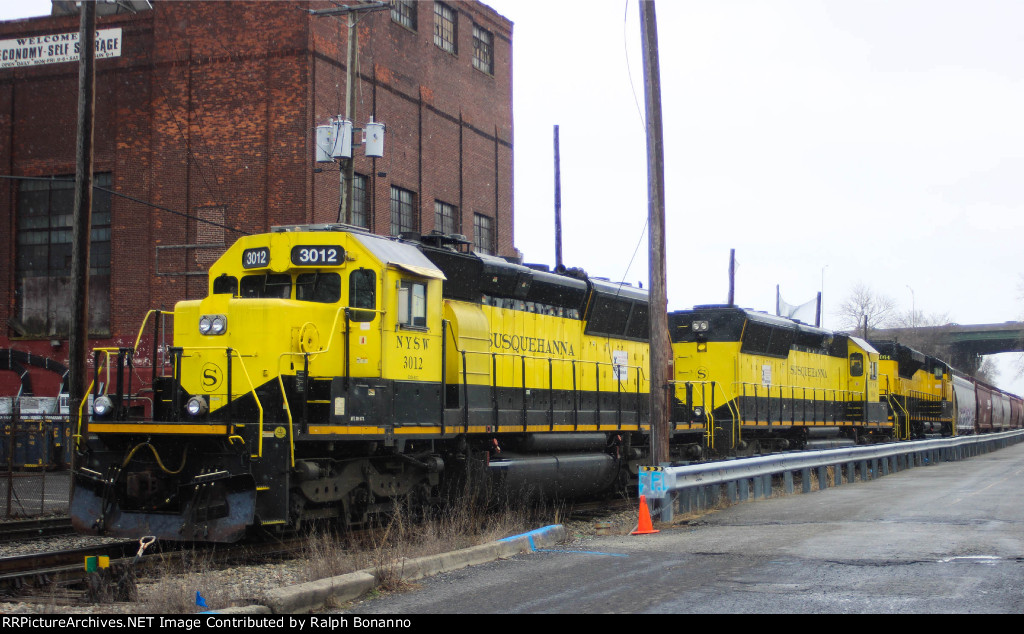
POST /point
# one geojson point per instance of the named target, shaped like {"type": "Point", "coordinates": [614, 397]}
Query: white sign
{"type": "Point", "coordinates": [620, 361]}
{"type": "Point", "coordinates": [54, 49]}
{"type": "Point", "coordinates": [766, 375]}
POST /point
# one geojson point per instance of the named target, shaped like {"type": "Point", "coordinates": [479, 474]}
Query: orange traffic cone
{"type": "Point", "coordinates": [644, 526]}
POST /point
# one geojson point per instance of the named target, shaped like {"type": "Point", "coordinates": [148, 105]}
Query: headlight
{"type": "Point", "coordinates": [196, 406]}
{"type": "Point", "coordinates": [102, 406]}
{"type": "Point", "coordinates": [698, 411]}
{"type": "Point", "coordinates": [700, 326]}
{"type": "Point", "coordinates": [213, 324]}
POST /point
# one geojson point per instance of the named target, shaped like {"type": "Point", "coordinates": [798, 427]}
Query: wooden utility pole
{"type": "Point", "coordinates": [348, 184]}
{"type": "Point", "coordinates": [558, 206]}
{"type": "Point", "coordinates": [660, 344]}
{"type": "Point", "coordinates": [81, 228]}
{"type": "Point", "coordinates": [351, 61]}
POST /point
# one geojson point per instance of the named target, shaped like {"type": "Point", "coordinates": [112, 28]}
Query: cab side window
{"type": "Point", "coordinates": [856, 364]}
{"type": "Point", "coordinates": [412, 304]}
{"type": "Point", "coordinates": [362, 293]}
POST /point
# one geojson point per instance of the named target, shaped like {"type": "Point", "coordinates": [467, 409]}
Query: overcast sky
{"type": "Point", "coordinates": [829, 142]}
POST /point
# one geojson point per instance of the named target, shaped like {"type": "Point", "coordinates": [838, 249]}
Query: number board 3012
{"type": "Point", "coordinates": [317, 255]}
{"type": "Point", "coordinates": [256, 258]}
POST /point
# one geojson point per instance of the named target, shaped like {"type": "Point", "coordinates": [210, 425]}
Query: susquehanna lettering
{"type": "Point", "coordinates": [800, 370]}
{"type": "Point", "coordinates": [520, 343]}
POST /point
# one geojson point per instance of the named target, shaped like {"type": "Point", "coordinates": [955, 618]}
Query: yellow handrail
{"type": "Point", "coordinates": [903, 434]}
{"type": "Point", "coordinates": [280, 380]}
{"type": "Point", "coordinates": [728, 400]}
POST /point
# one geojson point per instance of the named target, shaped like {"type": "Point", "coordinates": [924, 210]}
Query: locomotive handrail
{"type": "Point", "coordinates": [288, 412]}
{"type": "Point", "coordinates": [230, 353]}
{"type": "Point", "coordinates": [641, 376]}
{"type": "Point", "coordinates": [537, 358]}
{"type": "Point", "coordinates": [846, 394]}
{"type": "Point", "coordinates": [284, 395]}
{"type": "Point", "coordinates": [906, 430]}
{"type": "Point", "coordinates": [142, 328]}
{"type": "Point", "coordinates": [730, 403]}
{"type": "Point", "coordinates": [334, 324]}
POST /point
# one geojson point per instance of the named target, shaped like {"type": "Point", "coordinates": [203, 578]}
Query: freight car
{"type": "Point", "coordinates": [982, 408]}
{"type": "Point", "coordinates": [746, 382]}
{"type": "Point", "coordinates": [329, 370]}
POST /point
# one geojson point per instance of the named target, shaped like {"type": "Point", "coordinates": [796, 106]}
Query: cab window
{"type": "Point", "coordinates": [362, 293]}
{"type": "Point", "coordinates": [412, 304]}
{"type": "Point", "coordinates": [324, 288]}
{"type": "Point", "coordinates": [856, 364]}
{"type": "Point", "coordinates": [266, 286]}
{"type": "Point", "coordinates": [225, 285]}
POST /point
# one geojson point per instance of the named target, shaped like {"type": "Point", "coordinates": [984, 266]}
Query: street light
{"type": "Point", "coordinates": [913, 308]}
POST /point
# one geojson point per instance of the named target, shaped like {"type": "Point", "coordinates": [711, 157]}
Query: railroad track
{"type": "Point", "coordinates": [34, 573]}
{"type": "Point", "coordinates": [33, 528]}
{"type": "Point", "coordinates": [64, 566]}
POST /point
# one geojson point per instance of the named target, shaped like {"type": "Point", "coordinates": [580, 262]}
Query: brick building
{"type": "Point", "coordinates": [207, 111]}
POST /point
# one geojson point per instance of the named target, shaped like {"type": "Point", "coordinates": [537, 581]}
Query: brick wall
{"type": "Point", "coordinates": [211, 111]}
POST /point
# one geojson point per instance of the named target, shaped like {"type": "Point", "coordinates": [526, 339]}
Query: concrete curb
{"type": "Point", "coordinates": [306, 597]}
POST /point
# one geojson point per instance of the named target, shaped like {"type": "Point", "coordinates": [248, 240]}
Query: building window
{"type": "Point", "coordinates": [444, 218]}
{"type": "Point", "coordinates": [402, 218]}
{"type": "Point", "coordinates": [483, 50]}
{"type": "Point", "coordinates": [43, 269]}
{"type": "Point", "coordinates": [404, 12]}
{"type": "Point", "coordinates": [483, 234]}
{"type": "Point", "coordinates": [444, 27]}
{"type": "Point", "coordinates": [359, 216]}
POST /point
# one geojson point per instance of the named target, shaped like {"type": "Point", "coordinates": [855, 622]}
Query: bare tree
{"type": "Point", "coordinates": [926, 333]}
{"type": "Point", "coordinates": [987, 371]}
{"type": "Point", "coordinates": [865, 310]}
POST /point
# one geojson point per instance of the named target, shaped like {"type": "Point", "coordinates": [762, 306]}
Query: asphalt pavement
{"type": "Point", "coordinates": [945, 538]}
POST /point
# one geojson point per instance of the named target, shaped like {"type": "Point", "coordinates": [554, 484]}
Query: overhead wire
{"type": "Point", "coordinates": [131, 198]}
{"type": "Point", "coordinates": [643, 124]}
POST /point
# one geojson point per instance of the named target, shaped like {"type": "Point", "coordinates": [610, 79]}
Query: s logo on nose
{"type": "Point", "coordinates": [211, 377]}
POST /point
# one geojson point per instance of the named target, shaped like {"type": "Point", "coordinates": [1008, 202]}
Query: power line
{"type": "Point", "coordinates": [131, 198]}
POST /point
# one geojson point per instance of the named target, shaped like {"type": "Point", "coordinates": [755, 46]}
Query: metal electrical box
{"type": "Point", "coordinates": [373, 139]}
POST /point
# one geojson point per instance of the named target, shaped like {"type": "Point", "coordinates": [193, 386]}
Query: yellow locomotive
{"type": "Point", "coordinates": [330, 370]}
{"type": "Point", "coordinates": [746, 381]}
{"type": "Point", "coordinates": [917, 389]}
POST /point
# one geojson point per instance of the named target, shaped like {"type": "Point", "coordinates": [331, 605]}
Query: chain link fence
{"type": "Point", "coordinates": [35, 459]}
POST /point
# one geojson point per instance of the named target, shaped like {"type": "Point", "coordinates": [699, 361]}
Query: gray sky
{"type": "Point", "coordinates": [829, 142]}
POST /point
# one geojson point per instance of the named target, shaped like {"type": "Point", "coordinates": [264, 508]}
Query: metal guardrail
{"type": "Point", "coordinates": [700, 485]}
